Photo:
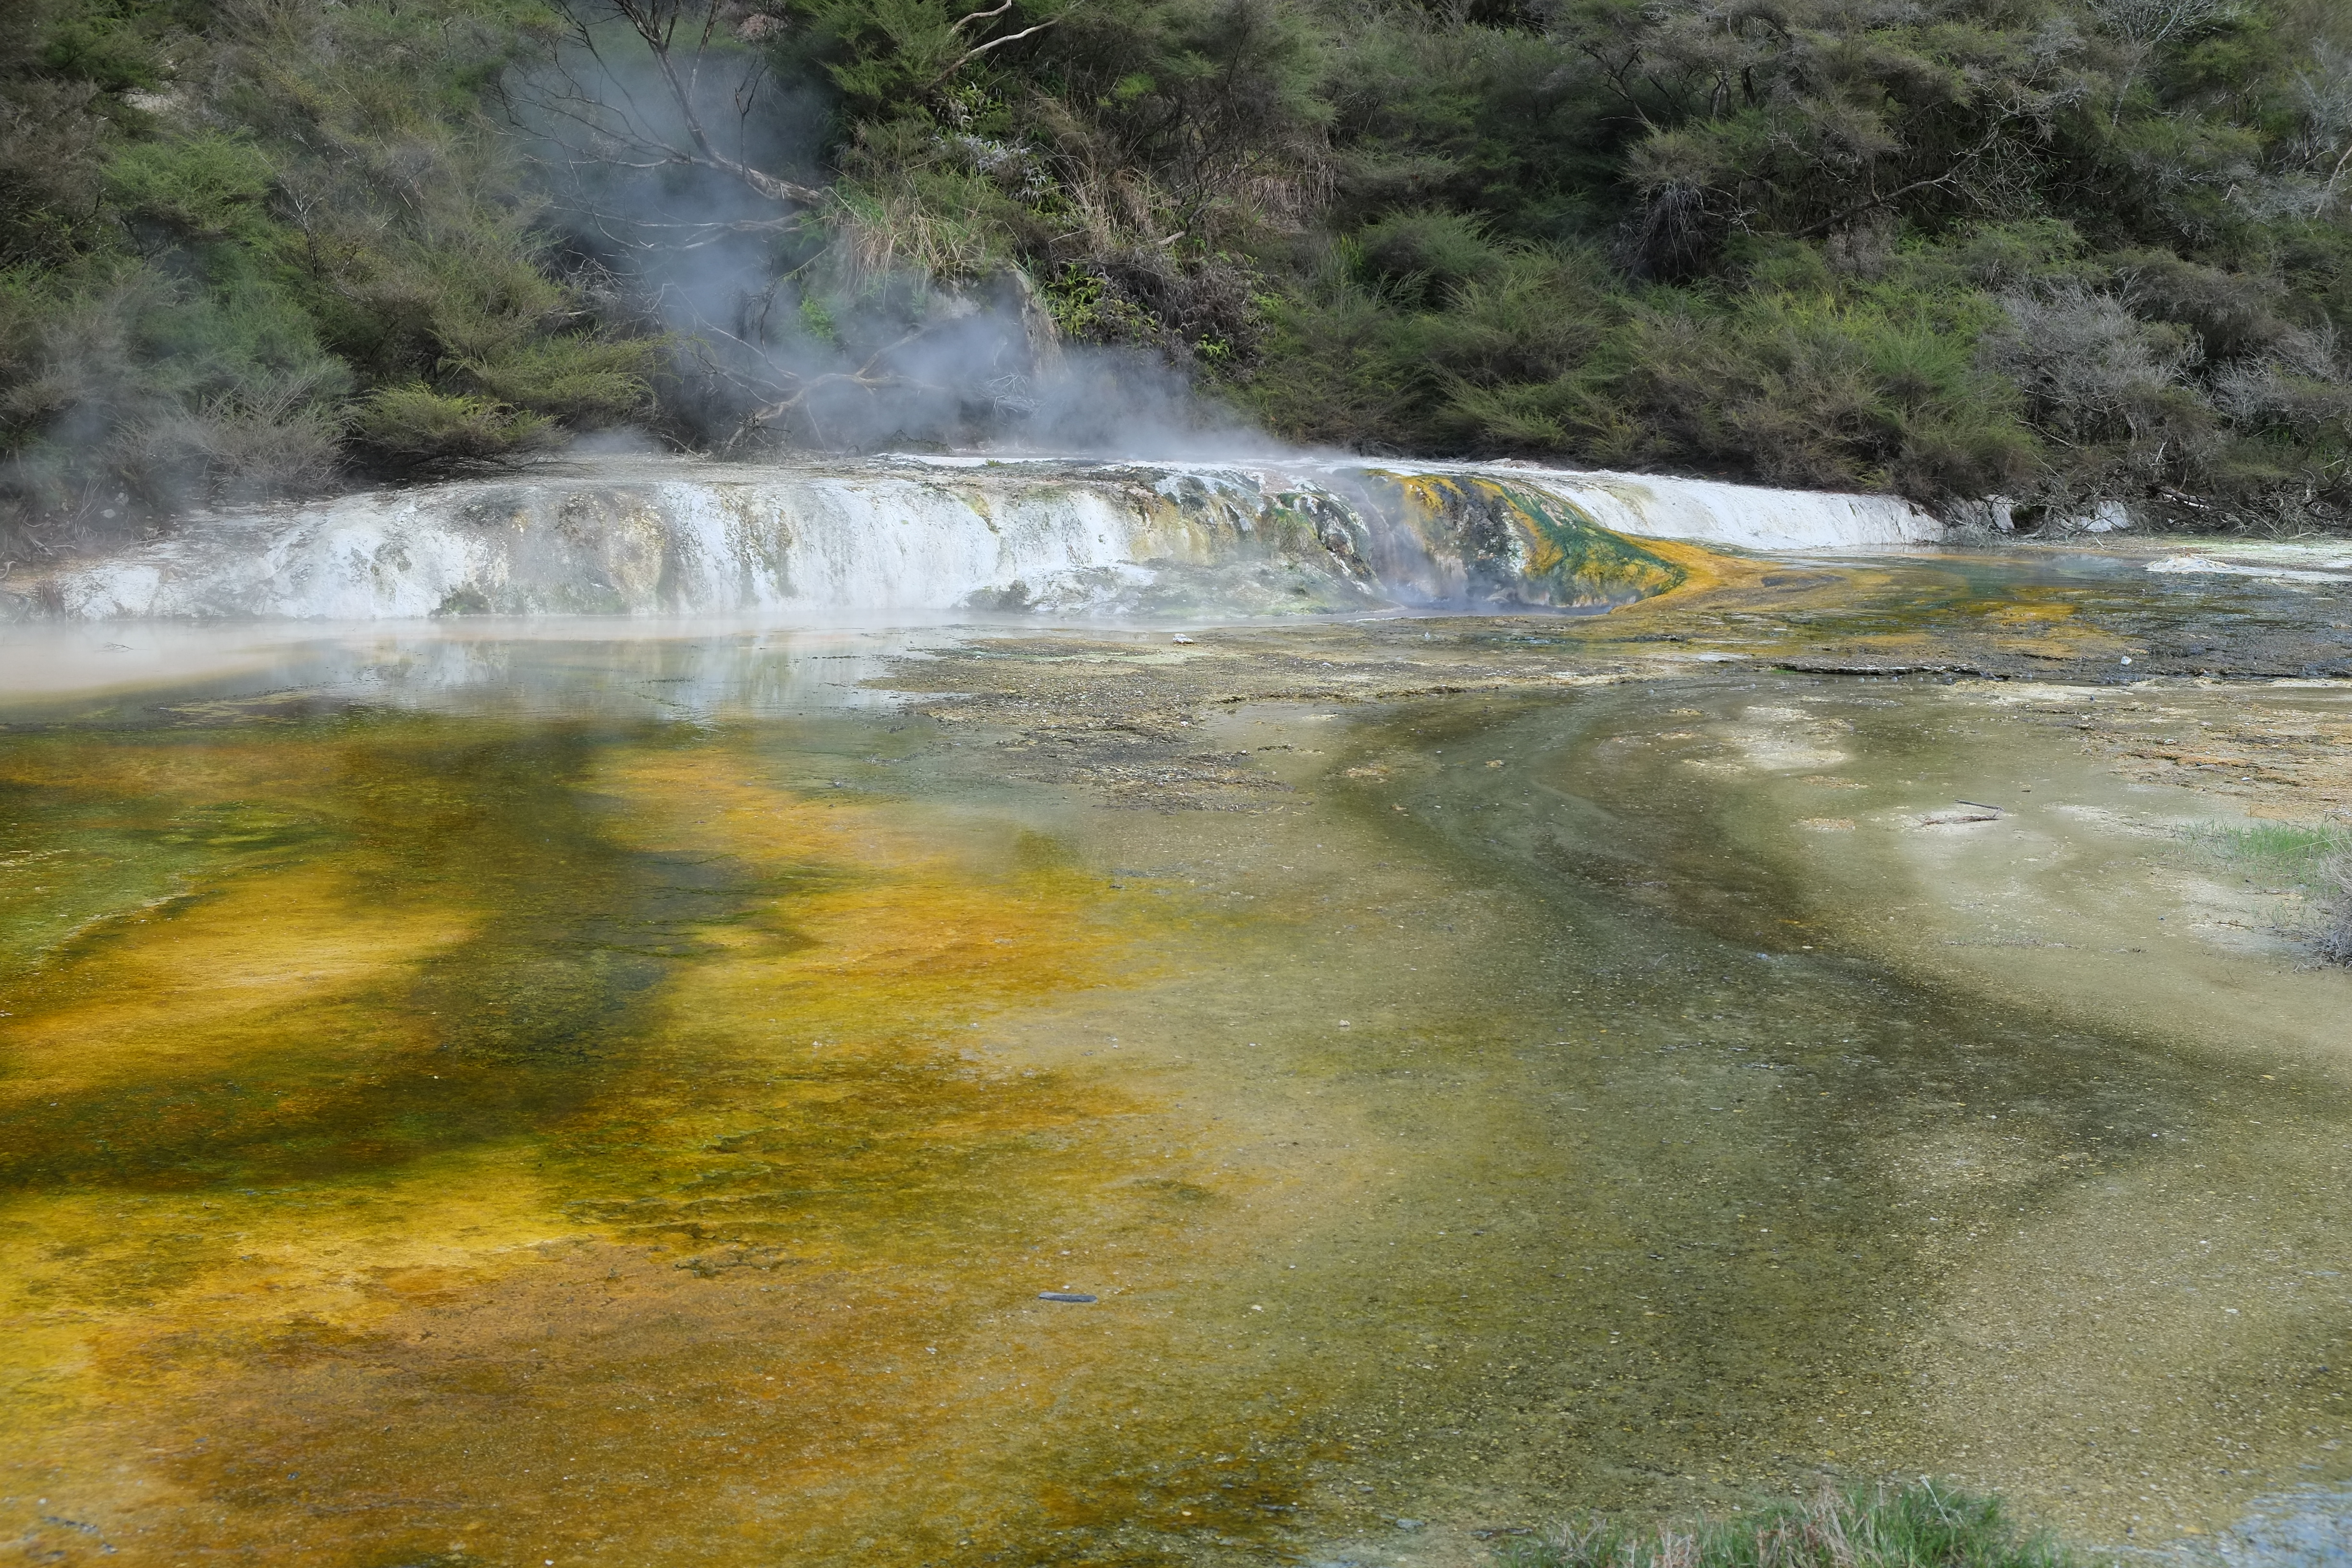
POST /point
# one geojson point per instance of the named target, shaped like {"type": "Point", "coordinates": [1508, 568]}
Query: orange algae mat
{"type": "Point", "coordinates": [436, 1140]}
{"type": "Point", "coordinates": [501, 1136]}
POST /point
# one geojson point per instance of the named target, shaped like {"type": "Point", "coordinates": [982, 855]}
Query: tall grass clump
{"type": "Point", "coordinates": [2335, 943]}
{"type": "Point", "coordinates": [2317, 857]}
{"type": "Point", "coordinates": [1919, 1525]}
{"type": "Point", "coordinates": [2304, 853]}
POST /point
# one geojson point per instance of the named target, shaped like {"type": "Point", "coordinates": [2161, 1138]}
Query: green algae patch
{"type": "Point", "coordinates": [1508, 545]}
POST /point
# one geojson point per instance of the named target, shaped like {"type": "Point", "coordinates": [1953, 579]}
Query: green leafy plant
{"type": "Point", "coordinates": [416, 426]}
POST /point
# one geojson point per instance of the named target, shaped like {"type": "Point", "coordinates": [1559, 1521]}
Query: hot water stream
{"type": "Point", "coordinates": [487, 1098]}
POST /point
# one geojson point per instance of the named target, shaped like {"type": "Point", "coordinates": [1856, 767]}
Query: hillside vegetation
{"type": "Point", "coordinates": [2057, 250]}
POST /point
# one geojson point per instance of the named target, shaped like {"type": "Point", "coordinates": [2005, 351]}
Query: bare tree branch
{"type": "Point", "coordinates": [647, 18]}
{"type": "Point", "coordinates": [624, 132]}
{"type": "Point", "coordinates": [972, 54]}
{"type": "Point", "coordinates": [959, 24]}
{"type": "Point", "coordinates": [2144, 25]}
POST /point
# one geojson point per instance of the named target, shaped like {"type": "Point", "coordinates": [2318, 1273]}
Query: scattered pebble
{"type": "Point", "coordinates": [1077, 1295]}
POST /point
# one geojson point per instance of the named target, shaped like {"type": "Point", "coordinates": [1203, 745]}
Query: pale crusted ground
{"type": "Point", "coordinates": [2270, 746]}
{"type": "Point", "coordinates": [2122, 656]}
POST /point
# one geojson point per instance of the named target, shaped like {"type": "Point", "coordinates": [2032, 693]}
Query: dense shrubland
{"type": "Point", "coordinates": [2060, 250]}
{"type": "Point", "coordinates": [253, 249]}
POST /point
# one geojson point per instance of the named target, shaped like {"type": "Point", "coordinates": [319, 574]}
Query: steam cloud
{"type": "Point", "coordinates": [687, 171]}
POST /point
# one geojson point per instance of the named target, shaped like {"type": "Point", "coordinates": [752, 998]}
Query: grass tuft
{"type": "Point", "coordinates": [2302, 851]}
{"type": "Point", "coordinates": [1919, 1525]}
{"type": "Point", "coordinates": [2335, 943]}
{"type": "Point", "coordinates": [2315, 857]}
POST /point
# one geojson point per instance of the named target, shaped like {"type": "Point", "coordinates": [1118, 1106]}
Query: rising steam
{"type": "Point", "coordinates": [689, 171]}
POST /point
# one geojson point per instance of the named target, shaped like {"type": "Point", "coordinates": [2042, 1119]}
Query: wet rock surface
{"type": "Point", "coordinates": [1122, 711]}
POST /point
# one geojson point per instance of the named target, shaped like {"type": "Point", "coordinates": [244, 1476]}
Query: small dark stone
{"type": "Point", "coordinates": [1063, 1295]}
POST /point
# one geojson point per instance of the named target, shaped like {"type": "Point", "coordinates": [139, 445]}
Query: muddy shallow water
{"type": "Point", "coordinates": [474, 1099]}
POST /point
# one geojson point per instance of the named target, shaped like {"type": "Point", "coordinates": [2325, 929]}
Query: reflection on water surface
{"type": "Point", "coordinates": [505, 1100]}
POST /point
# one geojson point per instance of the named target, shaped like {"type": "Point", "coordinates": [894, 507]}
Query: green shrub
{"type": "Point", "coordinates": [204, 187]}
{"type": "Point", "coordinates": [109, 52]}
{"type": "Point", "coordinates": [416, 428]}
{"type": "Point", "coordinates": [1425, 253]}
{"type": "Point", "coordinates": [270, 438]}
{"type": "Point", "coordinates": [1544, 352]}
{"type": "Point", "coordinates": [583, 381]}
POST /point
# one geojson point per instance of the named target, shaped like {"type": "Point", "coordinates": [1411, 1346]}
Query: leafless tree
{"type": "Point", "coordinates": [658, 127]}
{"type": "Point", "coordinates": [2092, 370]}
{"type": "Point", "coordinates": [589, 103]}
{"type": "Point", "coordinates": [2142, 27]}
{"type": "Point", "coordinates": [2326, 90]}
{"type": "Point", "coordinates": [651, 105]}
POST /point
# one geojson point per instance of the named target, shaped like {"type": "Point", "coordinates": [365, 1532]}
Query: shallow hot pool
{"type": "Point", "coordinates": [551, 1100]}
